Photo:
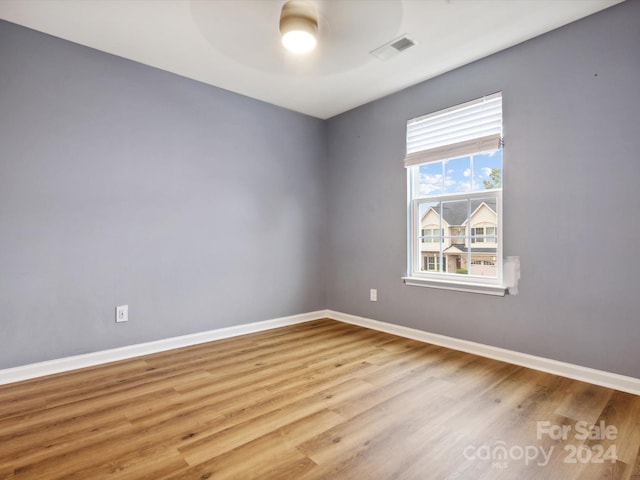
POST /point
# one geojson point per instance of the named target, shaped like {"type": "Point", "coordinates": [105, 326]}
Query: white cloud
{"type": "Point", "coordinates": [428, 189]}
{"type": "Point", "coordinates": [463, 187]}
{"type": "Point", "coordinates": [430, 183]}
{"type": "Point", "coordinates": [467, 172]}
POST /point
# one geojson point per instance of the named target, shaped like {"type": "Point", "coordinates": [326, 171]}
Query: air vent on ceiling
{"type": "Point", "coordinates": [393, 48]}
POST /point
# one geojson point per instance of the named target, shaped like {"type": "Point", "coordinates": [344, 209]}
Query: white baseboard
{"type": "Point", "coordinates": [576, 372]}
{"type": "Point", "coordinates": [590, 375]}
{"type": "Point", "coordinates": [34, 370]}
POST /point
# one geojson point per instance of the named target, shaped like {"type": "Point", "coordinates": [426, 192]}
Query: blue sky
{"type": "Point", "coordinates": [458, 175]}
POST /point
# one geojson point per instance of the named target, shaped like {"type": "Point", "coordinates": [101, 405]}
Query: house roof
{"type": "Point", "coordinates": [455, 213]}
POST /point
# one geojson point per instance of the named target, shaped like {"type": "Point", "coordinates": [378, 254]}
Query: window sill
{"type": "Point", "coordinates": [482, 288]}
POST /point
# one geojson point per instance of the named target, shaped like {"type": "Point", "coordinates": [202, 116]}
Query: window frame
{"type": "Point", "coordinates": [444, 279]}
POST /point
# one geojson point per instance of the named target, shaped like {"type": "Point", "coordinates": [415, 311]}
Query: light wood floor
{"type": "Point", "coordinates": [319, 400]}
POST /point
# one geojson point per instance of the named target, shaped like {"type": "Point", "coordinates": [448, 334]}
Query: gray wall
{"type": "Point", "coordinates": [123, 184]}
{"type": "Point", "coordinates": [202, 209]}
{"type": "Point", "coordinates": [572, 199]}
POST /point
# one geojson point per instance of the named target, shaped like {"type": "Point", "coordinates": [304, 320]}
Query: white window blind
{"type": "Point", "coordinates": [465, 129]}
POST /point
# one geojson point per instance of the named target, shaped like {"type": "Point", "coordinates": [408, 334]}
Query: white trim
{"type": "Point", "coordinates": [26, 372]}
{"type": "Point", "coordinates": [483, 288]}
{"type": "Point", "coordinates": [576, 372]}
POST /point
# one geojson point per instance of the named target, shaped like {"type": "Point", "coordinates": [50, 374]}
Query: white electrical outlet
{"type": "Point", "coordinates": [373, 295]}
{"type": "Point", "coordinates": [122, 313]}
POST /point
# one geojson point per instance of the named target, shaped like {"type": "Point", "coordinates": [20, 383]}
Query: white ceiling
{"type": "Point", "coordinates": [235, 45]}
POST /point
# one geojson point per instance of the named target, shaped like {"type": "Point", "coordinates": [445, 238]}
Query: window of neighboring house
{"type": "Point", "coordinates": [477, 235]}
{"type": "Point", "coordinates": [432, 263]}
{"type": "Point", "coordinates": [483, 234]}
{"type": "Point", "coordinates": [431, 235]}
{"type": "Point", "coordinates": [454, 165]}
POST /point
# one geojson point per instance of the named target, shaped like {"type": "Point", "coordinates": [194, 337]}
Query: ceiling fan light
{"type": "Point", "coordinates": [298, 26]}
{"type": "Point", "coordinates": [299, 41]}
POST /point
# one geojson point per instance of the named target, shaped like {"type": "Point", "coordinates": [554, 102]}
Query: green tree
{"type": "Point", "coordinates": [495, 179]}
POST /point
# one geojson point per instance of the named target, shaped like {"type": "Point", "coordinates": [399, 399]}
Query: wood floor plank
{"type": "Point", "coordinates": [362, 445]}
{"type": "Point", "coordinates": [6, 473]}
{"type": "Point", "coordinates": [267, 453]}
{"type": "Point", "coordinates": [584, 402]}
{"type": "Point", "coordinates": [20, 405]}
{"type": "Point", "coordinates": [635, 471]}
{"type": "Point", "coordinates": [316, 400]}
{"type": "Point", "coordinates": [40, 442]}
{"type": "Point", "coordinates": [621, 413]}
{"type": "Point", "coordinates": [266, 418]}
{"type": "Point", "coordinates": [72, 380]}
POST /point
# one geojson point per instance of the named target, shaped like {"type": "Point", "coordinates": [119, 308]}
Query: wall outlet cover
{"type": "Point", "coordinates": [122, 313]}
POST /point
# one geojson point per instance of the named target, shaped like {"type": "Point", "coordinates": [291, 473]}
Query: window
{"type": "Point", "coordinates": [483, 234]}
{"type": "Point", "coordinates": [431, 235]}
{"type": "Point", "coordinates": [430, 263]}
{"type": "Point", "coordinates": [454, 166]}
{"type": "Point", "coordinates": [433, 263]}
{"type": "Point", "coordinates": [477, 235]}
